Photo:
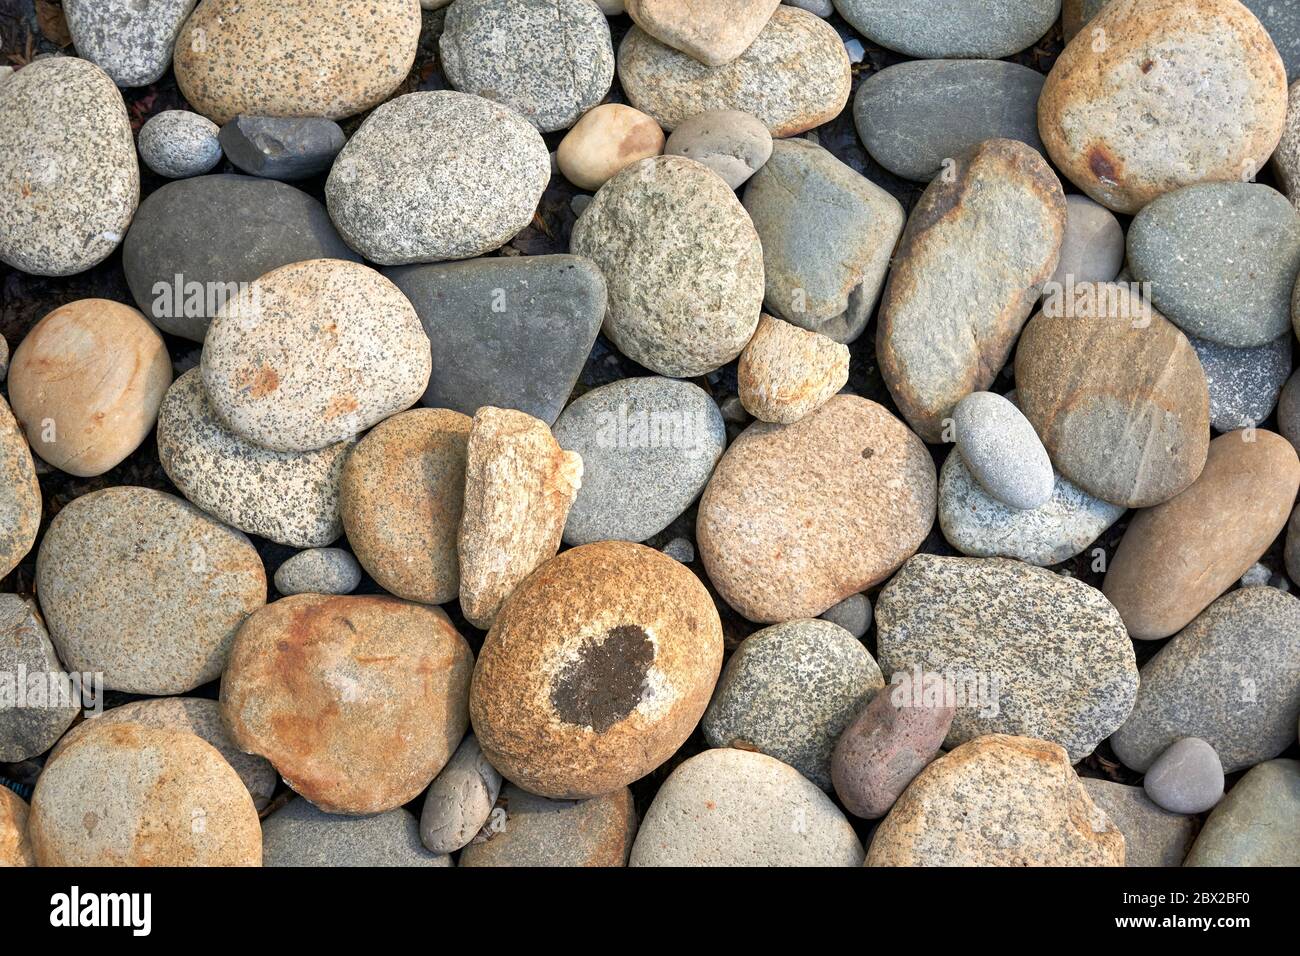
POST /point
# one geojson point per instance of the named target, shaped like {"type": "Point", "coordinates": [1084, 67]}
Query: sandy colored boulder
{"type": "Point", "coordinates": [714, 32]}
{"type": "Point", "coordinates": [20, 493]}
{"type": "Point", "coordinates": [402, 497]}
{"type": "Point", "coordinates": [597, 669]}
{"type": "Point", "coordinates": [1157, 94]}
{"type": "Point", "coordinates": [86, 384]}
{"type": "Point", "coordinates": [798, 517]}
{"type": "Point", "coordinates": [989, 234]}
{"type": "Point", "coordinates": [294, 57]}
{"type": "Point", "coordinates": [519, 486]}
{"type": "Point", "coordinates": [1116, 393]}
{"type": "Point", "coordinates": [607, 139]}
{"type": "Point", "coordinates": [358, 701]}
{"type": "Point", "coordinates": [1177, 557]}
{"type": "Point", "coordinates": [997, 801]}
{"type": "Point", "coordinates": [132, 795]}
{"type": "Point", "coordinates": [785, 372]}
{"type": "Point", "coordinates": [15, 848]}
{"type": "Point", "coordinates": [529, 830]}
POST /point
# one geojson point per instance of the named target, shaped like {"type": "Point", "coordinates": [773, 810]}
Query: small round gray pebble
{"type": "Point", "coordinates": [1186, 778]}
{"type": "Point", "coordinates": [679, 549]}
{"type": "Point", "coordinates": [300, 835]}
{"type": "Point", "coordinates": [1093, 247]}
{"type": "Point", "coordinates": [179, 144]}
{"type": "Point", "coordinates": [733, 144]}
{"type": "Point", "coordinates": [853, 614]}
{"type": "Point", "coordinates": [1244, 383]}
{"type": "Point", "coordinates": [319, 571]}
{"type": "Point", "coordinates": [460, 799]}
{"type": "Point", "coordinates": [1003, 451]}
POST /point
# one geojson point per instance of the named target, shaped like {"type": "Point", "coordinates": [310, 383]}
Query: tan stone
{"type": "Point", "coordinates": [533, 831]}
{"type": "Point", "coordinates": [15, 848]}
{"type": "Point", "coordinates": [294, 57]}
{"type": "Point", "coordinates": [1177, 557]}
{"type": "Point", "coordinates": [1158, 94]}
{"type": "Point", "coordinates": [402, 495]}
{"type": "Point", "coordinates": [785, 372]}
{"type": "Point", "coordinates": [714, 32]}
{"type": "Point", "coordinates": [997, 801]}
{"type": "Point", "coordinates": [798, 517]}
{"type": "Point", "coordinates": [973, 259]}
{"type": "Point", "coordinates": [597, 669]}
{"type": "Point", "coordinates": [604, 141]}
{"type": "Point", "coordinates": [86, 384]}
{"type": "Point", "coordinates": [1286, 159]}
{"type": "Point", "coordinates": [358, 701]}
{"type": "Point", "coordinates": [1116, 393]}
{"type": "Point", "coordinates": [519, 486]}
{"type": "Point", "coordinates": [132, 795]}
{"type": "Point", "coordinates": [20, 493]}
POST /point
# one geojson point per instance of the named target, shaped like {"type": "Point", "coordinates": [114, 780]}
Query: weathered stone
{"type": "Point", "coordinates": [460, 799]}
{"type": "Point", "coordinates": [854, 614]}
{"type": "Point", "coordinates": [37, 699]}
{"type": "Point", "coordinates": [1093, 247]}
{"type": "Point", "coordinates": [1256, 823]}
{"type": "Point", "coordinates": [785, 372]}
{"type": "Point", "coordinates": [20, 493]}
{"type": "Point", "coordinates": [535, 831]}
{"type": "Point", "coordinates": [1244, 383]}
{"type": "Point", "coordinates": [282, 147]}
{"type": "Point", "coordinates": [1152, 836]}
{"type": "Point", "coordinates": [714, 32]}
{"type": "Point", "coordinates": [1186, 778]}
{"type": "Point", "coordinates": [733, 144]}
{"type": "Point", "coordinates": [1002, 451]}
{"type": "Point", "coordinates": [130, 41]}
{"type": "Point", "coordinates": [178, 143]}
{"type": "Point", "coordinates": [318, 571]}
{"type": "Point", "coordinates": [298, 834]}
{"type": "Point", "coordinates": [15, 848]}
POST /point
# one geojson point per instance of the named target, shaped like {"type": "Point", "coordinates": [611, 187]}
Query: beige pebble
{"type": "Point", "coordinates": [785, 372]}
{"type": "Point", "coordinates": [604, 141]}
{"type": "Point", "coordinates": [15, 848]}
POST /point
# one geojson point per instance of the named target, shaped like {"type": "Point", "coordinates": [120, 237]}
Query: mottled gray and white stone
{"type": "Point", "coordinates": [38, 701]}
{"type": "Point", "coordinates": [282, 147]}
{"type": "Point", "coordinates": [298, 834]}
{"type": "Point", "coordinates": [1244, 383]}
{"type": "Point", "coordinates": [460, 799]}
{"type": "Point", "coordinates": [1002, 450]}
{"type": "Point", "coordinates": [178, 143]}
{"type": "Point", "coordinates": [319, 571]}
{"type": "Point", "coordinates": [931, 29]}
{"type": "Point", "coordinates": [130, 40]}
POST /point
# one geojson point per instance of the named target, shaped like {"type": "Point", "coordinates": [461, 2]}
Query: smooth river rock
{"type": "Point", "coordinates": [714, 32]}
{"type": "Point", "coordinates": [733, 144]}
{"type": "Point", "coordinates": [178, 143]}
{"type": "Point", "coordinates": [605, 141]}
{"type": "Point", "coordinates": [1152, 836]}
{"type": "Point", "coordinates": [929, 29]}
{"type": "Point", "coordinates": [318, 571]}
{"type": "Point", "coordinates": [131, 42]}
{"type": "Point", "coordinates": [1002, 451]}
{"type": "Point", "coordinates": [282, 147]}
{"type": "Point", "coordinates": [1244, 383]}
{"type": "Point", "coordinates": [533, 831]}
{"type": "Point", "coordinates": [20, 493]}
{"type": "Point", "coordinates": [1256, 823]}
{"type": "Point", "coordinates": [786, 372]}
{"type": "Point", "coordinates": [38, 701]}
{"type": "Point", "coordinates": [298, 834]}
{"type": "Point", "coordinates": [1185, 778]}
{"type": "Point", "coordinates": [460, 799]}
{"type": "Point", "coordinates": [1093, 248]}
{"type": "Point", "coordinates": [15, 847]}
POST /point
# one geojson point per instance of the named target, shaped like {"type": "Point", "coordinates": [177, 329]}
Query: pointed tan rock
{"type": "Point", "coordinates": [786, 372]}
{"type": "Point", "coordinates": [714, 32]}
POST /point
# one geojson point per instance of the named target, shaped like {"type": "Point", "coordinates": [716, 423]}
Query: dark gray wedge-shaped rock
{"type": "Point", "coordinates": [276, 147]}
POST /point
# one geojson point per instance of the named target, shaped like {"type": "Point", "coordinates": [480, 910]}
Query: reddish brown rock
{"type": "Point", "coordinates": [358, 701]}
{"type": "Point", "coordinates": [597, 669]}
{"type": "Point", "coordinates": [798, 517]}
{"type": "Point", "coordinates": [785, 372]}
{"type": "Point", "coordinates": [1179, 556]}
{"type": "Point", "coordinates": [15, 848]}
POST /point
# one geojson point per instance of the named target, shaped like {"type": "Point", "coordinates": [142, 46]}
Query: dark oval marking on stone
{"type": "Point", "coordinates": [606, 681]}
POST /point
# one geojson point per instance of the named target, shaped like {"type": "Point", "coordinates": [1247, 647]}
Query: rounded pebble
{"type": "Point", "coordinates": [1186, 778]}
{"type": "Point", "coordinates": [319, 571]}
{"type": "Point", "coordinates": [853, 614]}
{"type": "Point", "coordinates": [1003, 451]}
{"type": "Point", "coordinates": [298, 834]}
{"type": "Point", "coordinates": [733, 144]}
{"type": "Point", "coordinates": [460, 799]}
{"type": "Point", "coordinates": [528, 830]}
{"type": "Point", "coordinates": [178, 143]}
{"type": "Point", "coordinates": [605, 141]}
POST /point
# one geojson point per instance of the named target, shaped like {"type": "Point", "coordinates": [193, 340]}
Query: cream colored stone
{"type": "Point", "coordinates": [606, 140]}
{"type": "Point", "coordinates": [786, 372]}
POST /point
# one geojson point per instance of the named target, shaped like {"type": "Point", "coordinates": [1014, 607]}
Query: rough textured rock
{"type": "Point", "coordinates": [785, 372]}
{"type": "Point", "coordinates": [1093, 247]}
{"type": "Point", "coordinates": [596, 670]}
{"type": "Point", "coordinates": [1186, 778]}
{"type": "Point", "coordinates": [314, 354]}
{"type": "Point", "coordinates": [931, 29]}
{"type": "Point", "coordinates": [37, 700]}
{"type": "Point", "coordinates": [145, 588]}
{"type": "Point", "coordinates": [519, 486]}
{"type": "Point", "coordinates": [827, 235]}
{"type": "Point", "coordinates": [298, 834]}
{"type": "Point", "coordinates": [219, 234]}
{"type": "Point", "coordinates": [294, 57]}
{"type": "Point", "coordinates": [402, 497]}
{"type": "Point", "coordinates": [739, 808]}
{"type": "Point", "coordinates": [1231, 678]}
{"type": "Point", "coordinates": [798, 517]}
{"type": "Point", "coordinates": [358, 701]}
{"type": "Point", "coordinates": [1282, 21]}
{"type": "Point", "coordinates": [86, 382]}
{"type": "Point", "coordinates": [915, 116]}
{"type": "Point", "coordinates": [606, 140]}
{"type": "Point", "coordinates": [131, 42]}
{"type": "Point", "coordinates": [1203, 79]}
{"type": "Point", "coordinates": [1177, 557]}
{"type": "Point", "coordinates": [1002, 451]}
{"type": "Point", "coordinates": [288, 497]}
{"type": "Point", "coordinates": [793, 77]}
{"type": "Point", "coordinates": [550, 60]}
{"type": "Point", "coordinates": [683, 264]}
{"type": "Point", "coordinates": [1152, 836]}
{"type": "Point", "coordinates": [279, 147]}
{"type": "Point", "coordinates": [15, 848]}
{"type": "Point", "coordinates": [997, 801]}
{"type": "Point", "coordinates": [1244, 384]}
{"type": "Point", "coordinates": [20, 494]}
{"type": "Point", "coordinates": [536, 831]}
{"type": "Point", "coordinates": [510, 332]}
{"type": "Point", "coordinates": [178, 143]}
{"type": "Point", "coordinates": [714, 32]}
{"type": "Point", "coordinates": [319, 571]}
{"type": "Point", "coordinates": [992, 235]}
{"type": "Point", "coordinates": [1042, 655]}
{"type": "Point", "coordinates": [1255, 825]}
{"type": "Point", "coordinates": [132, 795]}
{"type": "Point", "coordinates": [789, 691]}
{"type": "Point", "coordinates": [733, 144]}
{"type": "Point", "coordinates": [1116, 393]}
{"type": "Point", "coordinates": [432, 176]}
{"type": "Point", "coordinates": [460, 799]}
{"type": "Point", "coordinates": [648, 447]}
{"type": "Point", "coordinates": [66, 139]}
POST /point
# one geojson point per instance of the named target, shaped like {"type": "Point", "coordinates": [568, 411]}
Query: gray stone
{"type": "Point", "coordinates": [1221, 258]}
{"type": "Point", "coordinates": [1293, 546]}
{"type": "Point", "coordinates": [1244, 383]}
{"type": "Point", "coordinates": [788, 691]}
{"type": "Point", "coordinates": [1286, 158]}
{"type": "Point", "coordinates": [853, 614]}
{"type": "Point", "coordinates": [1002, 451]}
{"type": "Point", "coordinates": [319, 571]}
{"type": "Point", "coordinates": [178, 143]}
{"type": "Point", "coordinates": [1288, 410]}
{"type": "Point", "coordinates": [1231, 677]}
{"type": "Point", "coordinates": [551, 60]}
{"type": "Point", "coordinates": [38, 702]}
{"type": "Point", "coordinates": [1093, 247]}
{"type": "Point", "coordinates": [1186, 778]}
{"type": "Point", "coordinates": [683, 265]}
{"type": "Point", "coordinates": [930, 29]}
{"type": "Point", "coordinates": [648, 447]}
{"type": "Point", "coordinates": [508, 332]}
{"type": "Point", "coordinates": [1282, 21]}
{"type": "Point", "coordinates": [827, 235]}
{"type": "Point", "coordinates": [67, 151]}
{"type": "Point", "coordinates": [298, 834]}
{"type": "Point", "coordinates": [288, 497]}
{"type": "Point", "coordinates": [532, 831]}
{"type": "Point", "coordinates": [130, 41]}
{"type": "Point", "coordinates": [275, 147]}
{"type": "Point", "coordinates": [434, 176]}
{"type": "Point", "coordinates": [4, 358]}
{"type": "Point", "coordinates": [822, 8]}
{"type": "Point", "coordinates": [680, 549]}
{"type": "Point", "coordinates": [915, 115]}
{"type": "Point", "coordinates": [739, 808]}
{"type": "Point", "coordinates": [1152, 837]}
{"type": "Point", "coordinates": [1257, 822]}
{"type": "Point", "coordinates": [1043, 655]}
{"type": "Point", "coordinates": [216, 233]}
{"type": "Point", "coordinates": [460, 799]}
{"type": "Point", "coordinates": [733, 144]}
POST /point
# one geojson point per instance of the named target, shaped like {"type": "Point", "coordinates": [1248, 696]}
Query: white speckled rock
{"type": "Point", "coordinates": [460, 799]}
{"type": "Point", "coordinates": [20, 493]}
{"type": "Point", "coordinates": [130, 41]}
{"type": "Point", "coordinates": [178, 143]}
{"type": "Point", "coordinates": [1003, 451]}
{"type": "Point", "coordinates": [319, 571]}
{"type": "Point", "coordinates": [733, 144]}
{"type": "Point", "coordinates": [1244, 383]}
{"type": "Point", "coordinates": [315, 353]}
